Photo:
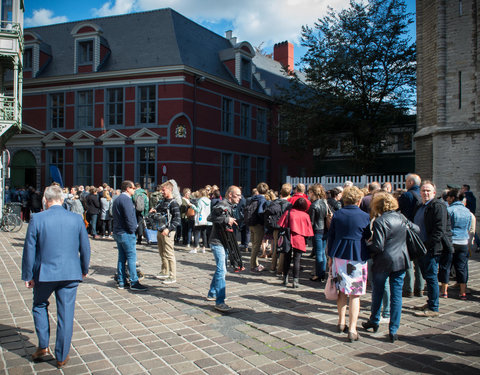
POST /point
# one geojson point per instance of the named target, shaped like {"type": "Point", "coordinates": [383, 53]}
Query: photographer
{"type": "Point", "coordinates": [169, 209]}
{"type": "Point", "coordinates": [221, 216]}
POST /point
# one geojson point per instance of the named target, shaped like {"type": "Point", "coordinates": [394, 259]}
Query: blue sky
{"type": "Point", "coordinates": [260, 22]}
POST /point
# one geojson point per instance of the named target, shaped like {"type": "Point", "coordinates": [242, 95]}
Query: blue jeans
{"type": "Point", "coordinates": [93, 224]}
{"type": "Point", "coordinates": [386, 299]}
{"type": "Point", "coordinates": [320, 257]}
{"type": "Point", "coordinates": [127, 252]}
{"type": "Point", "coordinates": [217, 286]}
{"type": "Point", "coordinates": [429, 267]}
{"type": "Point", "coordinates": [396, 285]}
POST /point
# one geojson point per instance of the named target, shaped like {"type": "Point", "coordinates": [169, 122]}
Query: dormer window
{"type": "Point", "coordinates": [36, 55]}
{"type": "Point", "coordinates": [246, 69]}
{"type": "Point", "coordinates": [28, 59]}
{"type": "Point", "coordinates": [85, 52]}
{"type": "Point", "coordinates": [91, 48]}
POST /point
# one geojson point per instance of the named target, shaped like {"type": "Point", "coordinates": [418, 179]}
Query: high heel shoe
{"type": "Point", "coordinates": [368, 324]}
{"type": "Point", "coordinates": [342, 328]}
{"type": "Point", "coordinates": [353, 336]}
{"type": "Point", "coordinates": [392, 337]}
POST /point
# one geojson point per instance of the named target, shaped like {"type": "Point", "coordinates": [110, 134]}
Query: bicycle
{"type": "Point", "coordinates": [10, 222]}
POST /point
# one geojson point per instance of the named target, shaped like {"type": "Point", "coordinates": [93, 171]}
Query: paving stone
{"type": "Point", "coordinates": [272, 331]}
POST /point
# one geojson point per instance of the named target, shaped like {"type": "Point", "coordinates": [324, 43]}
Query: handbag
{"type": "Point", "coordinates": [416, 248]}
{"type": "Point", "coordinates": [284, 244]}
{"type": "Point", "coordinates": [328, 217]}
{"type": "Point", "coordinates": [330, 291]}
{"type": "Point", "coordinates": [190, 212]}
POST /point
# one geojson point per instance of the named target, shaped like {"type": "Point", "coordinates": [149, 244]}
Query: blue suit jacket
{"type": "Point", "coordinates": [56, 247]}
{"type": "Point", "coordinates": [345, 235]}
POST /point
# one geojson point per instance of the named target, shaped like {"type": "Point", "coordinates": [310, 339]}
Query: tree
{"type": "Point", "coordinates": [358, 78]}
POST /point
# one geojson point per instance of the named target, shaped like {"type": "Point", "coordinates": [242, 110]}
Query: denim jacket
{"type": "Point", "coordinates": [461, 220]}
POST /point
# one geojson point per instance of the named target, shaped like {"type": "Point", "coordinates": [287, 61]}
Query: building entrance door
{"type": "Point", "coordinates": [23, 169]}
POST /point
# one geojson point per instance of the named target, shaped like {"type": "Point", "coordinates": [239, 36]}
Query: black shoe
{"type": "Point", "coordinates": [285, 281]}
{"type": "Point", "coordinates": [342, 328]}
{"type": "Point", "coordinates": [392, 338]}
{"type": "Point", "coordinates": [368, 324]}
{"type": "Point", "coordinates": [138, 287]}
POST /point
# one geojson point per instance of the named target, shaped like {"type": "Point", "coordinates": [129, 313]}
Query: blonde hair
{"type": "Point", "coordinates": [106, 195]}
{"type": "Point", "coordinates": [382, 202]}
{"type": "Point", "coordinates": [352, 195]}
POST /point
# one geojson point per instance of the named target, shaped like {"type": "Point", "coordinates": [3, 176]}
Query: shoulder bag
{"type": "Point", "coordinates": [416, 248]}
{"type": "Point", "coordinates": [284, 244]}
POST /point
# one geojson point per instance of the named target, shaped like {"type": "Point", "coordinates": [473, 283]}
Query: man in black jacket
{"type": "Point", "coordinates": [221, 217]}
{"type": "Point", "coordinates": [432, 218]}
{"type": "Point", "coordinates": [413, 283]}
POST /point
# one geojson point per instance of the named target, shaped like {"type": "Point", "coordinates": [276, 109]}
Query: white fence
{"type": "Point", "coordinates": [329, 182]}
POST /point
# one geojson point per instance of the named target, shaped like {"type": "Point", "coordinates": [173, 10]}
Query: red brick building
{"type": "Point", "coordinates": [149, 96]}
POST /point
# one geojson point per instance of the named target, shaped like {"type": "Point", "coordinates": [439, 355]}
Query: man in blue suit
{"type": "Point", "coordinates": [56, 256]}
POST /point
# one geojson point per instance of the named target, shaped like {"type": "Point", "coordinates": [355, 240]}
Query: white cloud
{"type": "Point", "coordinates": [268, 21]}
{"type": "Point", "coordinates": [43, 17]}
{"type": "Point", "coordinates": [119, 7]}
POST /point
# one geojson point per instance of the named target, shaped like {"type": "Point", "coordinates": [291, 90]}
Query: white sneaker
{"type": "Point", "coordinates": [223, 307]}
{"type": "Point", "coordinates": [169, 281]}
{"type": "Point", "coordinates": [384, 320]}
{"type": "Point", "coordinates": [161, 276]}
{"type": "Point", "coordinates": [203, 250]}
{"type": "Point", "coordinates": [193, 251]}
{"type": "Point", "coordinates": [188, 246]}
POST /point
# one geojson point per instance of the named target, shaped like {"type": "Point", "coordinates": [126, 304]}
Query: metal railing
{"type": "Point", "coordinates": [7, 108]}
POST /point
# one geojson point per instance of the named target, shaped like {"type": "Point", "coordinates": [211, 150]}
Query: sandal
{"type": "Point", "coordinates": [463, 297]}
{"type": "Point", "coordinates": [444, 295]}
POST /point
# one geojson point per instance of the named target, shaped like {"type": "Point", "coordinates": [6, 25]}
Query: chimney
{"type": "Point", "coordinates": [283, 53]}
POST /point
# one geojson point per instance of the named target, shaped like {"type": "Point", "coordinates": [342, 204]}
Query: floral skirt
{"type": "Point", "coordinates": [350, 276]}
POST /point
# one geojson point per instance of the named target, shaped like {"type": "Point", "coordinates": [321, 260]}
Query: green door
{"type": "Point", "coordinates": [23, 169]}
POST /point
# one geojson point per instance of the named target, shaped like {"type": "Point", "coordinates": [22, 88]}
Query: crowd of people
{"type": "Point", "coordinates": [358, 236]}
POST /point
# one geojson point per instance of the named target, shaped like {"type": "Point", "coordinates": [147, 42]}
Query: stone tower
{"type": "Point", "coordinates": [448, 92]}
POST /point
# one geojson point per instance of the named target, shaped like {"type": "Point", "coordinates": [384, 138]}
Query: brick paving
{"type": "Point", "coordinates": [273, 330]}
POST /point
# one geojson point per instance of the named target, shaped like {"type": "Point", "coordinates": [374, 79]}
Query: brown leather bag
{"type": "Point", "coordinates": [190, 212]}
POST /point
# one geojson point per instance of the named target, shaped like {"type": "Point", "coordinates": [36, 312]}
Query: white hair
{"type": "Point", "coordinates": [347, 184]}
{"type": "Point", "coordinates": [53, 193]}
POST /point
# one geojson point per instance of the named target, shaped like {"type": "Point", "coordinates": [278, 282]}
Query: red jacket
{"type": "Point", "coordinates": [300, 227]}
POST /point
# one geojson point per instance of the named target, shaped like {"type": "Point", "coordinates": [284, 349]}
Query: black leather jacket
{"type": "Point", "coordinates": [388, 247]}
{"type": "Point", "coordinates": [318, 211]}
{"type": "Point", "coordinates": [438, 228]}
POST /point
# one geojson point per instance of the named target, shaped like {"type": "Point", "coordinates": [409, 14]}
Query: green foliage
{"type": "Point", "coordinates": [357, 79]}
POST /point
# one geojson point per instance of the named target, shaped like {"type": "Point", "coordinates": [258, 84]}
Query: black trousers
{"type": "Point", "coordinates": [297, 255]}
{"type": "Point", "coordinates": [140, 228]}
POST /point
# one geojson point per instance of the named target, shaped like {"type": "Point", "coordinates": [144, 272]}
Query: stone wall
{"type": "Point", "coordinates": [448, 129]}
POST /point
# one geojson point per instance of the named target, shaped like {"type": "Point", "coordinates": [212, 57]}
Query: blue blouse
{"type": "Point", "coordinates": [346, 234]}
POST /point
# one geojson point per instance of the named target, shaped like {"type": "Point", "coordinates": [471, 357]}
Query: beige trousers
{"type": "Point", "coordinates": [256, 236]}
{"type": "Point", "coordinates": [167, 254]}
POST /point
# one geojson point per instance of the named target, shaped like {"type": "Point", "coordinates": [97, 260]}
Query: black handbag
{"type": "Point", "coordinates": [416, 248]}
{"type": "Point", "coordinates": [284, 242]}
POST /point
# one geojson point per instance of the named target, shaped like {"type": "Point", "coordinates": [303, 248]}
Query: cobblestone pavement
{"type": "Point", "coordinates": [273, 330]}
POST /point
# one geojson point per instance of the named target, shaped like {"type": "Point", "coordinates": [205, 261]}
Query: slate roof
{"type": "Point", "coordinates": [155, 38]}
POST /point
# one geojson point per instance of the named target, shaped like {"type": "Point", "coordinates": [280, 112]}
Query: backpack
{"type": "Point", "coordinates": [273, 213]}
{"type": "Point", "coordinates": [140, 203]}
{"type": "Point", "coordinates": [251, 213]}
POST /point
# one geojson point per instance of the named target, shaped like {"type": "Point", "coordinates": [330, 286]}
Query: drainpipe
{"type": "Point", "coordinates": [196, 80]}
